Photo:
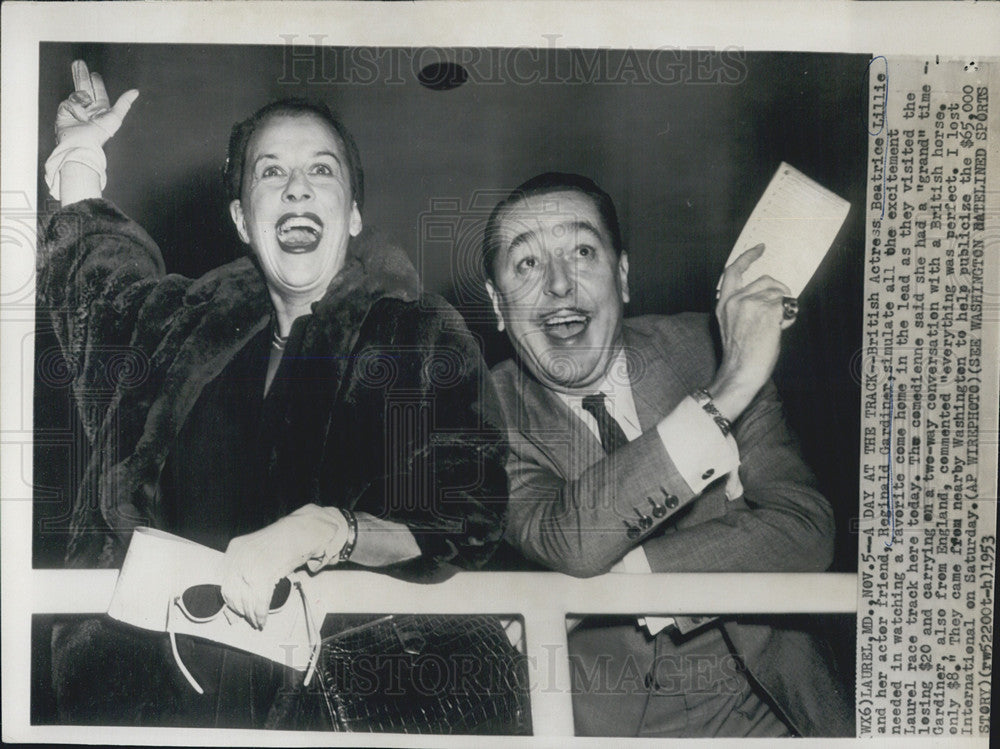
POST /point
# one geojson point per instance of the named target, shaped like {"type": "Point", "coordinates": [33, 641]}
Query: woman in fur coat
{"type": "Point", "coordinates": [305, 405]}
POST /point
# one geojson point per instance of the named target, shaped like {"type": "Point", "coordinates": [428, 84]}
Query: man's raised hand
{"type": "Point", "coordinates": [87, 115]}
{"type": "Point", "coordinates": [750, 322]}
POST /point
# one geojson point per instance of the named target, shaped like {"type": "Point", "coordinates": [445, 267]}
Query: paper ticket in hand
{"type": "Point", "coordinates": [797, 220]}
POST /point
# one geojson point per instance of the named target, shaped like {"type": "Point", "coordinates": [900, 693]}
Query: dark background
{"type": "Point", "coordinates": [685, 160]}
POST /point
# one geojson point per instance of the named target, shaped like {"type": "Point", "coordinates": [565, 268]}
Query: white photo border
{"type": "Point", "coordinates": [947, 29]}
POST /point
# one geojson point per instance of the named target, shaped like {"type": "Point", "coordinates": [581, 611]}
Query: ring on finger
{"type": "Point", "coordinates": [789, 307]}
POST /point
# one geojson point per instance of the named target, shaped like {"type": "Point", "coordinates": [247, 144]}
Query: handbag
{"type": "Point", "coordinates": [421, 673]}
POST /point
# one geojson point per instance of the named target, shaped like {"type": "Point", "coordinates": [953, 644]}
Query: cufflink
{"type": "Point", "coordinates": [708, 474]}
{"type": "Point", "coordinates": [658, 510]}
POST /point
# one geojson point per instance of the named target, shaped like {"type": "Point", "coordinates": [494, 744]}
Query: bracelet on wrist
{"type": "Point", "coordinates": [352, 536]}
{"type": "Point", "coordinates": [704, 399]}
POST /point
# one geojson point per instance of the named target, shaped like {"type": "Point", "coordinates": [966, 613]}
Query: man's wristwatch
{"type": "Point", "coordinates": [703, 399]}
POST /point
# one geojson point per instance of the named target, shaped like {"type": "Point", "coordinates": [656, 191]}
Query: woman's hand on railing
{"type": "Point", "coordinates": [255, 562]}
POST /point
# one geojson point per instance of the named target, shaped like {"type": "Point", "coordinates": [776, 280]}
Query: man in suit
{"type": "Point", "coordinates": [633, 449]}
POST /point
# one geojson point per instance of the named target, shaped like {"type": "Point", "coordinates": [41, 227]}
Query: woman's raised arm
{"type": "Point", "coordinates": [85, 120]}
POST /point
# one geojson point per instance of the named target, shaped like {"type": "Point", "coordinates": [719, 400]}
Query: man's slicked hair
{"type": "Point", "coordinates": [543, 184]}
{"type": "Point", "coordinates": [243, 131]}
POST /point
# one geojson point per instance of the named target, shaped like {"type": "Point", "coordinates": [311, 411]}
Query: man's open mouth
{"type": "Point", "coordinates": [565, 323]}
{"type": "Point", "coordinates": [299, 233]}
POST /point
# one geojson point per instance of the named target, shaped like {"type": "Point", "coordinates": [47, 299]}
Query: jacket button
{"type": "Point", "coordinates": [632, 532]}
{"type": "Point", "coordinates": [671, 501]}
{"type": "Point", "coordinates": [645, 521]}
{"type": "Point", "coordinates": [658, 510]}
{"type": "Point", "coordinates": [708, 474]}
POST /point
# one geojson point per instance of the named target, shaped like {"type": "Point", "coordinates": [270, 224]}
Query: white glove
{"type": "Point", "coordinates": [255, 562]}
{"type": "Point", "coordinates": [84, 123]}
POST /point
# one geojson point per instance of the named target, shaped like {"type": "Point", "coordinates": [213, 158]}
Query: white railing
{"type": "Point", "coordinates": [543, 599]}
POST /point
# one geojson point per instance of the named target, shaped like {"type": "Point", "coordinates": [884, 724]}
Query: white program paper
{"type": "Point", "coordinates": [797, 220]}
{"type": "Point", "coordinates": [159, 566]}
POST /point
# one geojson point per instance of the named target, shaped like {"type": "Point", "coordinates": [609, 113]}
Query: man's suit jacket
{"type": "Point", "coordinates": [577, 510]}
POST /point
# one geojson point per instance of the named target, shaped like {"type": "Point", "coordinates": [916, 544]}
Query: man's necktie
{"type": "Point", "coordinates": [612, 436]}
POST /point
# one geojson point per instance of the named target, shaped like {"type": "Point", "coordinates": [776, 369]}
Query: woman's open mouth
{"type": "Point", "coordinates": [299, 233]}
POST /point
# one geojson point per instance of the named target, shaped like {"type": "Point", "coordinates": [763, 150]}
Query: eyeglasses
{"type": "Point", "coordinates": [203, 603]}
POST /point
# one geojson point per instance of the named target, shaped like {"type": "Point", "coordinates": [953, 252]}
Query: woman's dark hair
{"type": "Point", "coordinates": [542, 185]}
{"type": "Point", "coordinates": [232, 173]}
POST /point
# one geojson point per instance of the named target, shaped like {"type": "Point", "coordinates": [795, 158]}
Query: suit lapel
{"type": "Point", "coordinates": [657, 387]}
{"type": "Point", "coordinates": [553, 429]}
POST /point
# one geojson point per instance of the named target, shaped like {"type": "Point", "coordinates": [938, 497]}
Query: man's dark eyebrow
{"type": "Point", "coordinates": [584, 226]}
{"type": "Point", "coordinates": [575, 226]}
{"type": "Point", "coordinates": [521, 238]}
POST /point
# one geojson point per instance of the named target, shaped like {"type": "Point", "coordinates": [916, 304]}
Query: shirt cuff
{"type": "Point", "coordinates": [696, 445]}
